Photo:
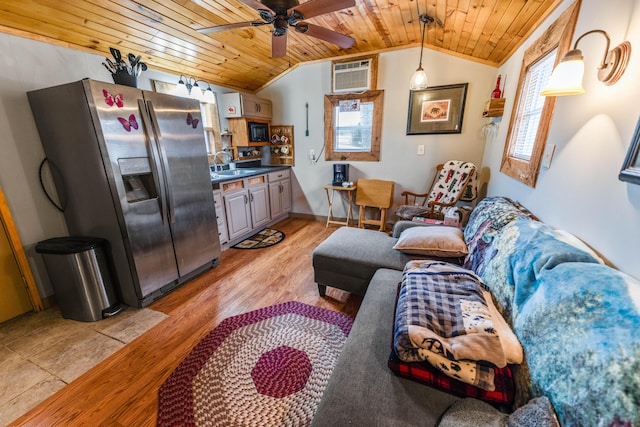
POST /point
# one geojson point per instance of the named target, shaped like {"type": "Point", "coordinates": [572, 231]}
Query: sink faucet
{"type": "Point", "coordinates": [215, 156]}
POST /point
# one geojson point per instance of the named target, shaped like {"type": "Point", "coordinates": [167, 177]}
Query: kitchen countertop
{"type": "Point", "coordinates": [226, 175]}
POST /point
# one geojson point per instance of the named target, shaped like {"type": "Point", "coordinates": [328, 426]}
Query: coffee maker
{"type": "Point", "coordinates": [340, 173]}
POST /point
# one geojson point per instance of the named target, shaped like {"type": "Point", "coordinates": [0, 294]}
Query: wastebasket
{"type": "Point", "coordinates": [79, 271]}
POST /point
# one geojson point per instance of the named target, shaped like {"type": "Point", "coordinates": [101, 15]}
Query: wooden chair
{"type": "Point", "coordinates": [377, 194]}
{"type": "Point", "coordinates": [453, 181]}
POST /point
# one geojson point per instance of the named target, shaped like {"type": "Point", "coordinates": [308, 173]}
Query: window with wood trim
{"type": "Point", "coordinates": [353, 126]}
{"type": "Point", "coordinates": [531, 116]}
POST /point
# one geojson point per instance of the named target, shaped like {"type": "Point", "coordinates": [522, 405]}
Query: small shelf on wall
{"type": "Point", "coordinates": [282, 145]}
{"type": "Point", "coordinates": [493, 108]}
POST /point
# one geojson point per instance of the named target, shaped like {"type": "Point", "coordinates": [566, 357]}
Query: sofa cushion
{"type": "Point", "coordinates": [437, 241]}
{"type": "Point", "coordinates": [362, 391]}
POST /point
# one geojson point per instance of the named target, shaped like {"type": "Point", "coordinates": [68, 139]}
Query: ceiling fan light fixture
{"type": "Point", "coordinates": [283, 14]}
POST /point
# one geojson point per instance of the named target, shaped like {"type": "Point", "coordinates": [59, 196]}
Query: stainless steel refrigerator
{"type": "Point", "coordinates": [131, 166]}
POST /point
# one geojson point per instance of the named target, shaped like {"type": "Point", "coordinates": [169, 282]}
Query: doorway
{"type": "Point", "coordinates": [14, 298]}
{"type": "Point", "coordinates": [18, 290]}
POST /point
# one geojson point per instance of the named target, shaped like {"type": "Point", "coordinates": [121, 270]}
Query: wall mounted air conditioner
{"type": "Point", "coordinates": [354, 76]}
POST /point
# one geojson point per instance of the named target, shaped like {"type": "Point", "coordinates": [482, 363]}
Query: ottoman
{"type": "Point", "coordinates": [349, 257]}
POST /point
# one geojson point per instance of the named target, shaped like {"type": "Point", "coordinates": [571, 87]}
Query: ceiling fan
{"type": "Point", "coordinates": [290, 13]}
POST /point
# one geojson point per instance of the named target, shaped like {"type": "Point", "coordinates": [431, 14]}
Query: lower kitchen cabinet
{"type": "Point", "coordinates": [259, 200]}
{"type": "Point", "coordinates": [246, 204]}
{"type": "Point", "coordinates": [236, 206]}
{"type": "Point", "coordinates": [279, 193]}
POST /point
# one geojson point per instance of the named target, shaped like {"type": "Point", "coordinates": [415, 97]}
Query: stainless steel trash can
{"type": "Point", "coordinates": [79, 271]}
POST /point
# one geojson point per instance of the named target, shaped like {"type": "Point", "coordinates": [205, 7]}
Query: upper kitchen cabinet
{"type": "Point", "coordinates": [235, 105]}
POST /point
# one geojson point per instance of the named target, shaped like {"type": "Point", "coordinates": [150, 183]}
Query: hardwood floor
{"type": "Point", "coordinates": [123, 390]}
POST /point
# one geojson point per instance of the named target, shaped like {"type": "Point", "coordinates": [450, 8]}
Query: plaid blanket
{"type": "Point", "coordinates": [443, 318]}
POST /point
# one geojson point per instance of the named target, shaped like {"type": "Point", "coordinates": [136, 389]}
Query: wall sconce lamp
{"type": "Point", "coordinates": [566, 79]}
{"type": "Point", "coordinates": [188, 87]}
{"type": "Point", "coordinates": [419, 78]}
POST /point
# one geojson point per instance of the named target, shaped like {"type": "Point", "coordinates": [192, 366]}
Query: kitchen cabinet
{"type": "Point", "coordinates": [259, 201]}
{"type": "Point", "coordinates": [279, 193]}
{"type": "Point", "coordinates": [220, 217]}
{"type": "Point", "coordinates": [236, 207]}
{"type": "Point", "coordinates": [241, 147]}
{"type": "Point", "coordinates": [236, 104]}
{"type": "Point", "coordinates": [246, 204]}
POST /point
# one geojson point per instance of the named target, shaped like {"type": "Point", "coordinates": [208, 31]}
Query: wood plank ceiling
{"type": "Point", "coordinates": [164, 32]}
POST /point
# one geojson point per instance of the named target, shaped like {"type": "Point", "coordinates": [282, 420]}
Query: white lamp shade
{"type": "Point", "coordinates": [418, 80]}
{"type": "Point", "coordinates": [196, 93]}
{"type": "Point", "coordinates": [181, 90]}
{"type": "Point", "coordinates": [208, 97]}
{"type": "Point", "coordinates": [566, 79]}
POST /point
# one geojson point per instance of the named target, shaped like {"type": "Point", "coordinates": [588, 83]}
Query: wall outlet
{"type": "Point", "coordinates": [312, 155]}
{"type": "Point", "coordinates": [547, 155]}
{"type": "Point", "coordinates": [420, 150]}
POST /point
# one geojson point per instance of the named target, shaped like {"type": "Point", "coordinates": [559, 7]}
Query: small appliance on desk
{"type": "Point", "coordinates": [340, 174]}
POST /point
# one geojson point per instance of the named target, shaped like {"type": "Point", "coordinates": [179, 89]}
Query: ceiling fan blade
{"type": "Point", "coordinates": [225, 27]}
{"type": "Point", "coordinates": [318, 7]}
{"type": "Point", "coordinates": [325, 34]}
{"type": "Point", "coordinates": [256, 5]}
{"type": "Point", "coordinates": [278, 46]}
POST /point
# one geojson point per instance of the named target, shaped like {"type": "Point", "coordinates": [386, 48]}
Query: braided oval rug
{"type": "Point", "coordinates": [268, 367]}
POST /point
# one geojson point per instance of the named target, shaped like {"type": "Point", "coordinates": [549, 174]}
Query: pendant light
{"type": "Point", "coordinates": [419, 79]}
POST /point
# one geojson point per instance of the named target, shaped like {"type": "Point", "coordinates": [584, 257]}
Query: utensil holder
{"type": "Point", "coordinates": [124, 78]}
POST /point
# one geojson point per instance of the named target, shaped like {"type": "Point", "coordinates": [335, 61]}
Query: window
{"type": "Point", "coordinates": [353, 126]}
{"type": "Point", "coordinates": [532, 114]}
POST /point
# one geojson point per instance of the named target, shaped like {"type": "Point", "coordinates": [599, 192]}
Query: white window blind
{"type": "Point", "coordinates": [530, 106]}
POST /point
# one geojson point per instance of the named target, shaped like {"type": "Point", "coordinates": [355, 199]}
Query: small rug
{"type": "Point", "coordinates": [265, 238]}
{"type": "Point", "coordinates": [268, 367]}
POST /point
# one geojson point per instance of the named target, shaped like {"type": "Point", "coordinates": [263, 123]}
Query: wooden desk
{"type": "Point", "coordinates": [330, 190]}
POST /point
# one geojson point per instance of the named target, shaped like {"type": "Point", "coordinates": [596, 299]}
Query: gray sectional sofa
{"type": "Point", "coordinates": [576, 318]}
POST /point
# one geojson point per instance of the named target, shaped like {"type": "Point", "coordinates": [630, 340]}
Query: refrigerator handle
{"type": "Point", "coordinates": [165, 162]}
{"type": "Point", "coordinates": [156, 170]}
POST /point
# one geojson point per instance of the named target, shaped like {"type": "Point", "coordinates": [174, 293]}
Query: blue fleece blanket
{"type": "Point", "coordinates": [577, 319]}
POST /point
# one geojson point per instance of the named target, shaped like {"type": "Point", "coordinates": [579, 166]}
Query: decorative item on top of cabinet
{"type": "Point", "coordinates": [282, 146]}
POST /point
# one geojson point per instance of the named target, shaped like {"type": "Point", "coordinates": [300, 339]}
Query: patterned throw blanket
{"type": "Point", "coordinates": [442, 317]}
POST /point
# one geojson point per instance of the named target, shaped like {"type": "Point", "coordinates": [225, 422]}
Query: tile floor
{"type": "Point", "coordinates": [40, 353]}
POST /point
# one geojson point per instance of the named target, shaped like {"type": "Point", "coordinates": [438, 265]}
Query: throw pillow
{"type": "Point", "coordinates": [437, 241]}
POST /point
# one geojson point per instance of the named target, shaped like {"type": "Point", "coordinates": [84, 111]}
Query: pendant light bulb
{"type": "Point", "coordinates": [419, 80]}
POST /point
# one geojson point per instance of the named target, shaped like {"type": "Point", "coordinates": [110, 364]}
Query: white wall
{"type": "Point", "coordinates": [581, 192]}
{"type": "Point", "coordinates": [399, 161]}
{"type": "Point", "coordinates": [27, 65]}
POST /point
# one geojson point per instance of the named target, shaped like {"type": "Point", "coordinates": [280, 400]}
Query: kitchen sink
{"type": "Point", "coordinates": [234, 172]}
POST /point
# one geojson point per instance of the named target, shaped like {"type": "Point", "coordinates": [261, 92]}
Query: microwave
{"type": "Point", "coordinates": [258, 131]}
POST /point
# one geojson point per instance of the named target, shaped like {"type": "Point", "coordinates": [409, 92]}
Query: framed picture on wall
{"type": "Point", "coordinates": [630, 171]}
{"type": "Point", "coordinates": [437, 109]}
